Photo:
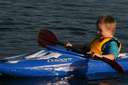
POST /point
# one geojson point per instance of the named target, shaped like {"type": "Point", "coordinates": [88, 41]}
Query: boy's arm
{"type": "Point", "coordinates": [108, 56]}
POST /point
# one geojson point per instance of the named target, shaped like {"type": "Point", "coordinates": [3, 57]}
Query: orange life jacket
{"type": "Point", "coordinates": [97, 44]}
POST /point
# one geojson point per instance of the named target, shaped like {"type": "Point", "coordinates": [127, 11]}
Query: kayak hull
{"type": "Point", "coordinates": [36, 68]}
{"type": "Point", "coordinates": [59, 62]}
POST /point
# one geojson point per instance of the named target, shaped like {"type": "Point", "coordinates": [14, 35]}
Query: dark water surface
{"type": "Point", "coordinates": [72, 20]}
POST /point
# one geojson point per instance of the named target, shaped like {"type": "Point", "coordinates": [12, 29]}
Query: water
{"type": "Point", "coordinates": [72, 20]}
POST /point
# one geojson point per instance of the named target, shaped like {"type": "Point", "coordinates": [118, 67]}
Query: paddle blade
{"type": "Point", "coordinates": [46, 37]}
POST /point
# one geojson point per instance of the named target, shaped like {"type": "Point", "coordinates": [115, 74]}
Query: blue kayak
{"type": "Point", "coordinates": [58, 61]}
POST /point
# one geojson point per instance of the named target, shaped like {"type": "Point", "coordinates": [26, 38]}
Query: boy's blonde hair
{"type": "Point", "coordinates": [109, 21]}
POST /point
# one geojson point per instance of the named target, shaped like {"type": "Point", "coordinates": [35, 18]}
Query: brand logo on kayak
{"type": "Point", "coordinates": [60, 60]}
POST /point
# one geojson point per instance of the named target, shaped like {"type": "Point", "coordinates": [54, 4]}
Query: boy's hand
{"type": "Point", "coordinates": [68, 44]}
{"type": "Point", "coordinates": [97, 55]}
{"type": "Point", "coordinates": [94, 54]}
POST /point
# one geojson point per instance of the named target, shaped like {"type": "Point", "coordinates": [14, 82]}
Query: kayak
{"type": "Point", "coordinates": [56, 61]}
{"type": "Point", "coordinates": [47, 62]}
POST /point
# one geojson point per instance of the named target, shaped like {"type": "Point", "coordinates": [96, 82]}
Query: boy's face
{"type": "Point", "coordinates": [103, 28]}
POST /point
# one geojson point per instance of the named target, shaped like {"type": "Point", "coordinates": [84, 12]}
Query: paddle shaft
{"type": "Point", "coordinates": [113, 64]}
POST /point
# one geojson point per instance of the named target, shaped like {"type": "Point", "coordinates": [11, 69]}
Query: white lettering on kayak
{"type": "Point", "coordinates": [60, 60]}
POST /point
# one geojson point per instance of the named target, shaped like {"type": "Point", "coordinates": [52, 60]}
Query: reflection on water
{"type": "Point", "coordinates": [42, 81]}
{"type": "Point", "coordinates": [5, 80]}
{"type": "Point", "coordinates": [104, 83]}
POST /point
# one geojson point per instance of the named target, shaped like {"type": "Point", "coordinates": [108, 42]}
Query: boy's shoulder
{"type": "Point", "coordinates": [114, 41]}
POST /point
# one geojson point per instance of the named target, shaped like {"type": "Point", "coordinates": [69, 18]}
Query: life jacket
{"type": "Point", "coordinates": [98, 44]}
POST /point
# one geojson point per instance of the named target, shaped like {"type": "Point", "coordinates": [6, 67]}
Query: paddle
{"type": "Point", "coordinates": [47, 37]}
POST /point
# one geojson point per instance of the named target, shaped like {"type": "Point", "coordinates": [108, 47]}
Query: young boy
{"type": "Point", "coordinates": [105, 45]}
